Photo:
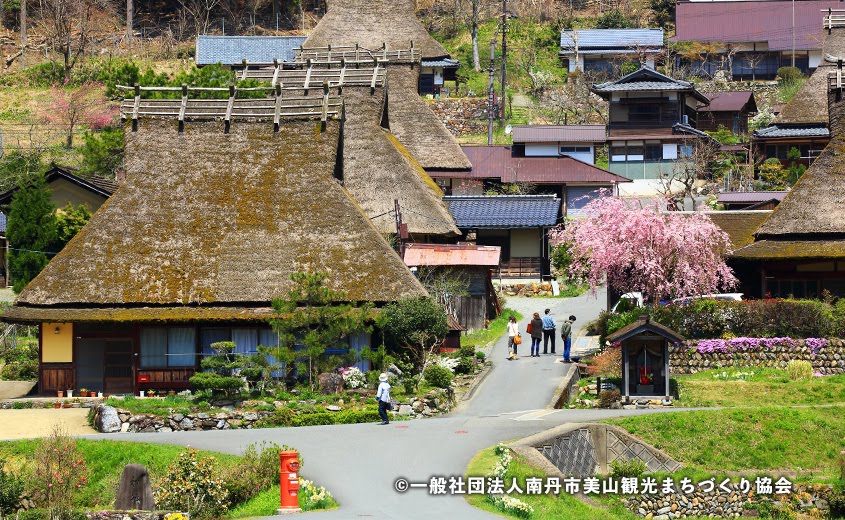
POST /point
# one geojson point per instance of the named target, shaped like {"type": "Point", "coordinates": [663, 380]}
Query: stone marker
{"type": "Point", "coordinates": [135, 491]}
{"type": "Point", "coordinates": [330, 383]}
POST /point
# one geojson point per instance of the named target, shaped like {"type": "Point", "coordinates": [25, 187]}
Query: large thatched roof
{"type": "Point", "coordinates": [416, 126]}
{"type": "Point", "coordinates": [208, 220]}
{"type": "Point", "coordinates": [371, 23]}
{"type": "Point", "coordinates": [377, 169]}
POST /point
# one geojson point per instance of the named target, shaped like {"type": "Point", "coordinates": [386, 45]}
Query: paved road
{"type": "Point", "coordinates": [359, 463]}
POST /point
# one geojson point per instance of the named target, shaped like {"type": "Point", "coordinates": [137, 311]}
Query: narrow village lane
{"type": "Point", "coordinates": [359, 463]}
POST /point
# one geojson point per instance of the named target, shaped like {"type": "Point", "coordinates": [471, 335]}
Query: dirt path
{"type": "Point", "coordinates": [19, 424]}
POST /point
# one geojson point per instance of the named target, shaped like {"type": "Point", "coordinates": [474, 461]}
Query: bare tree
{"type": "Point", "coordinates": [574, 104]}
{"type": "Point", "coordinates": [23, 31]}
{"type": "Point", "coordinates": [130, 8]}
{"type": "Point", "coordinates": [688, 172]}
{"type": "Point", "coordinates": [753, 59]}
{"type": "Point", "coordinates": [66, 25]}
{"type": "Point", "coordinates": [201, 12]}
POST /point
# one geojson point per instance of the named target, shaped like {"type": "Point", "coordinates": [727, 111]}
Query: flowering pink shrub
{"type": "Point", "coordinates": [728, 346]}
{"type": "Point", "coordinates": [83, 106]}
{"type": "Point", "coordinates": [639, 248]}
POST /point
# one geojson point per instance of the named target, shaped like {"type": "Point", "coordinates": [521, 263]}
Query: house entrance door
{"type": "Point", "coordinates": [117, 367]}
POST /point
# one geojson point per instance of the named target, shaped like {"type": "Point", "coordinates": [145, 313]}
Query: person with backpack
{"type": "Point", "coordinates": [566, 336]}
{"type": "Point", "coordinates": [535, 328]}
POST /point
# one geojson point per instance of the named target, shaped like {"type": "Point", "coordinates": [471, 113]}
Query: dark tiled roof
{"type": "Point", "coordinates": [232, 50]}
{"type": "Point", "coordinates": [610, 39]}
{"type": "Point", "coordinates": [446, 63]}
{"type": "Point", "coordinates": [503, 211]}
{"type": "Point", "coordinates": [645, 325]}
{"type": "Point", "coordinates": [559, 133]}
{"type": "Point", "coordinates": [681, 128]}
{"type": "Point", "coordinates": [754, 21]}
{"type": "Point", "coordinates": [792, 131]}
{"type": "Point", "coordinates": [498, 162]}
{"type": "Point", "coordinates": [648, 79]}
{"type": "Point", "coordinates": [734, 101]}
{"type": "Point", "coordinates": [99, 185]}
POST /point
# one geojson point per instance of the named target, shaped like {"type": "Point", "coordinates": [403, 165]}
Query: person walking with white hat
{"type": "Point", "coordinates": [383, 397]}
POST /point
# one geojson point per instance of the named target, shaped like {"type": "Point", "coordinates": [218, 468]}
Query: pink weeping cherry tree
{"type": "Point", "coordinates": [637, 248]}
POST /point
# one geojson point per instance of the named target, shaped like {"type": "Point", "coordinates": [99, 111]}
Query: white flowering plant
{"type": "Point", "coordinates": [312, 496]}
{"type": "Point", "coordinates": [507, 503]}
{"type": "Point", "coordinates": [353, 377]}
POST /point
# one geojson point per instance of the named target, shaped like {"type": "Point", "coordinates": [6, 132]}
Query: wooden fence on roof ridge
{"type": "Point", "coordinates": [274, 107]}
{"type": "Point", "coordinates": [355, 53]}
{"type": "Point", "coordinates": [315, 74]}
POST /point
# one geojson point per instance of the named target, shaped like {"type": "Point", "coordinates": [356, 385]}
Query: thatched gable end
{"type": "Point", "coordinates": [208, 218]}
{"type": "Point", "coordinates": [372, 23]}
{"type": "Point", "coordinates": [378, 170]}
{"type": "Point", "coordinates": [416, 126]}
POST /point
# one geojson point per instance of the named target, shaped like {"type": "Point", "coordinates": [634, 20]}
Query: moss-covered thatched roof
{"type": "Point", "coordinates": [223, 219]}
{"type": "Point", "coordinates": [371, 23]}
{"type": "Point", "coordinates": [416, 126]}
{"type": "Point", "coordinates": [739, 225]}
{"type": "Point", "coordinates": [815, 206]}
{"type": "Point", "coordinates": [377, 170]}
{"type": "Point", "coordinates": [792, 249]}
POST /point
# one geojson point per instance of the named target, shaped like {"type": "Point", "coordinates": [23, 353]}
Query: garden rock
{"type": "Point", "coordinates": [333, 408]}
{"type": "Point", "coordinates": [404, 409]}
{"type": "Point", "coordinates": [330, 383]}
{"type": "Point", "coordinates": [107, 419]}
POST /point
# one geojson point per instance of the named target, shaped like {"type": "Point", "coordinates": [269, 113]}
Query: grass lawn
{"type": "Point", "coordinates": [105, 461]}
{"type": "Point", "coordinates": [766, 387]}
{"type": "Point", "coordinates": [494, 330]}
{"type": "Point", "coordinates": [266, 503]}
{"type": "Point", "coordinates": [801, 441]}
{"type": "Point", "coordinates": [558, 507]}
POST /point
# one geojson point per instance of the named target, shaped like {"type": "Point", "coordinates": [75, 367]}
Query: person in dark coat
{"type": "Point", "coordinates": [536, 334]}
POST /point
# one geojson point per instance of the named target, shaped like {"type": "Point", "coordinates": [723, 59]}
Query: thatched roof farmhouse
{"type": "Point", "coordinates": [799, 249]}
{"type": "Point", "coordinates": [393, 25]}
{"type": "Point", "coordinates": [212, 220]}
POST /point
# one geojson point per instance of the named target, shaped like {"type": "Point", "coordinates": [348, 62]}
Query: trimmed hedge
{"type": "Point", "coordinates": [344, 417]}
{"type": "Point", "coordinates": [770, 318]}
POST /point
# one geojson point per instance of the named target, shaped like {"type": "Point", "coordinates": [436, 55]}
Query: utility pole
{"type": "Point", "coordinates": [491, 94]}
{"type": "Point", "coordinates": [129, 13]}
{"type": "Point", "coordinates": [504, 60]}
{"type": "Point", "coordinates": [401, 229]}
{"type": "Point", "coordinates": [793, 33]}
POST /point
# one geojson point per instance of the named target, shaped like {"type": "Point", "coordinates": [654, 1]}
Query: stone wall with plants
{"type": "Point", "coordinates": [827, 356]}
{"type": "Point", "coordinates": [462, 115]}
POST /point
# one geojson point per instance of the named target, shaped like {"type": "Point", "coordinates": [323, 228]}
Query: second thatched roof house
{"type": "Point", "coordinates": [211, 222]}
{"type": "Point", "coordinates": [393, 26]}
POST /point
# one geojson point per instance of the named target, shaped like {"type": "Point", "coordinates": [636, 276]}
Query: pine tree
{"type": "Point", "coordinates": [31, 231]}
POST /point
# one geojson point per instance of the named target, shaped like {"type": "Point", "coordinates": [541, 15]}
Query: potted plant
{"type": "Point", "coordinates": [60, 393]}
{"type": "Point", "coordinates": [151, 393]}
{"type": "Point", "coordinates": [83, 392]}
{"type": "Point", "coordinates": [57, 404]}
{"type": "Point", "coordinates": [92, 394]}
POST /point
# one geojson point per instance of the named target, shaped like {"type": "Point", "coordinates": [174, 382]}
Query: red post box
{"type": "Point", "coordinates": [289, 481]}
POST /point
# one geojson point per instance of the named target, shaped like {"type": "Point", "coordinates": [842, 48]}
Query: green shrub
{"type": "Point", "coordinates": [608, 397]}
{"type": "Point", "coordinates": [479, 355]}
{"type": "Point", "coordinates": [44, 514]}
{"type": "Point", "coordinates": [11, 487]}
{"type": "Point", "coordinates": [438, 376]}
{"type": "Point", "coordinates": [464, 365]}
{"type": "Point", "coordinates": [799, 369]}
{"type": "Point", "coordinates": [836, 501]}
{"type": "Point", "coordinates": [280, 417]}
{"type": "Point", "coordinates": [257, 470]}
{"type": "Point", "coordinates": [466, 351]}
{"type": "Point", "coordinates": [789, 74]}
{"type": "Point", "coordinates": [313, 419]}
{"type": "Point", "coordinates": [215, 382]}
{"type": "Point", "coordinates": [192, 484]}
{"type": "Point", "coordinates": [344, 417]}
{"type": "Point", "coordinates": [627, 468]}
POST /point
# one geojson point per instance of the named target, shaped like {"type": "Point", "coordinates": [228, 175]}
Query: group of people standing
{"type": "Point", "coordinates": [541, 330]}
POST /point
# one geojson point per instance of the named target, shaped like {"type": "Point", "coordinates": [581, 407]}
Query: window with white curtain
{"type": "Point", "coordinates": [153, 347]}
{"type": "Point", "coordinates": [209, 336]}
{"type": "Point", "coordinates": [181, 347]}
{"type": "Point", "coordinates": [245, 340]}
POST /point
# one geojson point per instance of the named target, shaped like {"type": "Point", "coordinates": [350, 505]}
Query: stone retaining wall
{"type": "Point", "coordinates": [684, 359]}
{"type": "Point", "coordinates": [136, 515]}
{"type": "Point", "coordinates": [462, 115]}
{"type": "Point", "coordinates": [723, 505]}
